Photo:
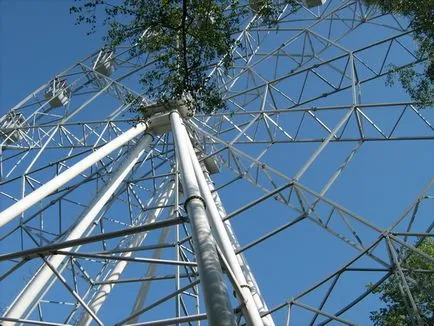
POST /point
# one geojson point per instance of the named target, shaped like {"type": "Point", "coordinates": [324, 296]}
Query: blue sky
{"type": "Point", "coordinates": [38, 39]}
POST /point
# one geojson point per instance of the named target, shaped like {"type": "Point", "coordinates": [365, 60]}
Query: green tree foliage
{"type": "Point", "coordinates": [419, 274]}
{"type": "Point", "coordinates": [187, 37]}
{"type": "Point", "coordinates": [184, 37]}
{"type": "Point", "coordinates": [418, 82]}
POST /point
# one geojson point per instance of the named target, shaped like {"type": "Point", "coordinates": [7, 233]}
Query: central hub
{"type": "Point", "coordinates": [158, 115]}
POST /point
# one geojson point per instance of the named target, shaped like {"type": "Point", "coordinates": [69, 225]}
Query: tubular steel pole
{"type": "Point", "coordinates": [16, 209]}
{"type": "Point", "coordinates": [144, 287]}
{"type": "Point", "coordinates": [251, 281]}
{"type": "Point", "coordinates": [41, 281]}
{"type": "Point", "coordinates": [217, 304]}
{"type": "Point", "coordinates": [101, 295]}
{"type": "Point", "coordinates": [248, 307]}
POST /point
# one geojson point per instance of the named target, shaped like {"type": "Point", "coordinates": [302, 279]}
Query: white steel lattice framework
{"type": "Point", "coordinates": [276, 211]}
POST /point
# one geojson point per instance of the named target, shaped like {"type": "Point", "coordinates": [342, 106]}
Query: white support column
{"type": "Point", "coordinates": [250, 278]}
{"type": "Point", "coordinates": [242, 262]}
{"type": "Point", "coordinates": [101, 295]}
{"type": "Point", "coordinates": [217, 304]}
{"type": "Point", "coordinates": [248, 307]}
{"type": "Point", "coordinates": [144, 287]}
{"type": "Point", "coordinates": [19, 207]}
{"type": "Point", "coordinates": [41, 281]}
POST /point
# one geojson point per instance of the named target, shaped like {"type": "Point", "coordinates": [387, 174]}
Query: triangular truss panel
{"type": "Point", "coordinates": [314, 186]}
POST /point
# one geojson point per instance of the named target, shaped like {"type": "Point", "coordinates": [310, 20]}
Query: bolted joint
{"type": "Point", "coordinates": [246, 286]}
{"type": "Point", "coordinates": [191, 198]}
{"type": "Point", "coordinates": [150, 134]}
{"type": "Point", "coordinates": [241, 287]}
{"type": "Point", "coordinates": [184, 219]}
{"type": "Point", "coordinates": [159, 123]}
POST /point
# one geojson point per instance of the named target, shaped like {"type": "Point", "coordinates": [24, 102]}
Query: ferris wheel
{"type": "Point", "coordinates": [289, 208]}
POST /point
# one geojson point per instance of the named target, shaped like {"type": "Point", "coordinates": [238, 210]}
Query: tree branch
{"type": "Point", "coordinates": [184, 43]}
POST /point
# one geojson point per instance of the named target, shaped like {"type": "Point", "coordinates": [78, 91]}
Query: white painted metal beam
{"type": "Point", "coordinates": [144, 287]}
{"type": "Point", "coordinates": [248, 307]}
{"type": "Point", "coordinates": [217, 304]}
{"type": "Point", "coordinates": [45, 190]}
{"type": "Point", "coordinates": [103, 292]}
{"type": "Point", "coordinates": [40, 283]}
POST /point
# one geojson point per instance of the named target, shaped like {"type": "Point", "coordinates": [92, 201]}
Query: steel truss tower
{"type": "Point", "coordinates": [280, 210]}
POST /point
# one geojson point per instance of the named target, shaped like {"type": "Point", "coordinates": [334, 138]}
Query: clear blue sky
{"type": "Point", "coordinates": [38, 39]}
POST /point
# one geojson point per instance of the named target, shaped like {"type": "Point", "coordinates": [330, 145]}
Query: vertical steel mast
{"type": "Point", "coordinates": [249, 305]}
{"type": "Point", "coordinates": [218, 308]}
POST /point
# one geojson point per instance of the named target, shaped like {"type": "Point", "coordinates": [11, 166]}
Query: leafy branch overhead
{"type": "Point", "coordinates": [417, 81]}
{"type": "Point", "coordinates": [419, 274]}
{"type": "Point", "coordinates": [185, 38]}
